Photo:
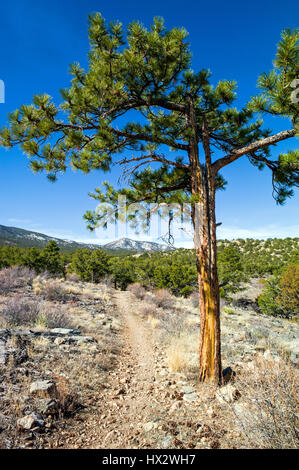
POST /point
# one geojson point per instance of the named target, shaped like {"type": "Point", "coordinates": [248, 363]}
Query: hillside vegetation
{"type": "Point", "coordinates": [175, 270]}
{"type": "Point", "coordinates": [84, 365]}
{"type": "Point", "coordinates": [102, 351]}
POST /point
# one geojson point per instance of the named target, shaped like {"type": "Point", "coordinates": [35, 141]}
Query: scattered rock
{"type": "Point", "coordinates": [149, 426]}
{"type": "Point", "coordinates": [228, 374]}
{"type": "Point", "coordinates": [65, 331]}
{"type": "Point", "coordinates": [188, 389]}
{"type": "Point", "coordinates": [43, 389]}
{"type": "Point", "coordinates": [268, 356]}
{"type": "Point", "coordinates": [175, 406]}
{"type": "Point", "coordinates": [34, 420]}
{"type": "Point", "coordinates": [49, 407]}
{"type": "Point", "coordinates": [60, 341]}
{"type": "Point", "coordinates": [83, 339]}
{"type": "Point", "coordinates": [227, 394]}
{"type": "Point", "coordinates": [190, 397]}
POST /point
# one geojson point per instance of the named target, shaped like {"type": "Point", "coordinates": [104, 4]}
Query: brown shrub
{"type": "Point", "coordinates": [138, 290]}
{"type": "Point", "coordinates": [163, 299]}
{"type": "Point", "coordinates": [194, 299]}
{"type": "Point", "coordinates": [20, 311]}
{"type": "Point", "coordinates": [147, 308]}
{"type": "Point", "coordinates": [267, 414]}
{"type": "Point", "coordinates": [73, 277]}
{"type": "Point", "coordinates": [54, 317]}
{"type": "Point", "coordinates": [289, 284]}
{"type": "Point", "coordinates": [50, 290]}
{"type": "Point", "coordinates": [15, 277]}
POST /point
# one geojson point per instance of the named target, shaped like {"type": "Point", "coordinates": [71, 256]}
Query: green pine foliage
{"type": "Point", "coordinates": [238, 261]}
{"type": "Point", "coordinates": [51, 259]}
{"type": "Point", "coordinates": [91, 266]}
{"type": "Point", "coordinates": [122, 272]}
{"type": "Point", "coordinates": [145, 77]}
{"type": "Point", "coordinates": [281, 294]}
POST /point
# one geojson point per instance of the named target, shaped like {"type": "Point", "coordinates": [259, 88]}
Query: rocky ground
{"type": "Point", "coordinates": [124, 376]}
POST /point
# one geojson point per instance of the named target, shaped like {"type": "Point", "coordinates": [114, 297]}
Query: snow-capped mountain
{"type": "Point", "coordinates": [135, 245]}
{"type": "Point", "coordinates": [25, 238]}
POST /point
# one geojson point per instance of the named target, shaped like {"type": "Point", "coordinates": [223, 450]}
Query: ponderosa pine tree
{"type": "Point", "coordinates": [91, 266]}
{"type": "Point", "coordinates": [140, 94]}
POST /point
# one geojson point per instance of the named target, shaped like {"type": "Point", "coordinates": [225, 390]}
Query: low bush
{"type": "Point", "coordinates": [15, 277]}
{"type": "Point", "coordinates": [154, 322]}
{"type": "Point", "coordinates": [289, 289]}
{"type": "Point", "coordinates": [20, 311]}
{"type": "Point", "coordinates": [138, 290]}
{"type": "Point", "coordinates": [73, 277]}
{"type": "Point", "coordinates": [50, 289]}
{"type": "Point", "coordinates": [54, 317]}
{"type": "Point", "coordinates": [147, 309]}
{"type": "Point", "coordinates": [163, 299]}
{"type": "Point", "coordinates": [280, 296]}
{"type": "Point", "coordinates": [267, 415]}
{"type": "Point", "coordinates": [194, 299]}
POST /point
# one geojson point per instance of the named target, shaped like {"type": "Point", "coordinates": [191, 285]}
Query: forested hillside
{"type": "Point", "coordinates": [238, 262]}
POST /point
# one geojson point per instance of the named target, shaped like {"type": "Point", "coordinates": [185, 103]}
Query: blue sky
{"type": "Point", "coordinates": [39, 39]}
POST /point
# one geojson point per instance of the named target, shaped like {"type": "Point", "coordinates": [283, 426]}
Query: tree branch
{"type": "Point", "coordinates": [259, 144]}
{"type": "Point", "coordinates": [147, 138]}
{"type": "Point", "coordinates": [153, 157]}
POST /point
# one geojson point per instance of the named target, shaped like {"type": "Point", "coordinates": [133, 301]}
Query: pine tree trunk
{"type": "Point", "coordinates": [203, 187]}
{"type": "Point", "coordinates": [206, 254]}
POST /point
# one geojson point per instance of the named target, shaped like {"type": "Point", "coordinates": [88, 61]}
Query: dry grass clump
{"type": "Point", "coordinates": [67, 398]}
{"type": "Point", "coordinates": [20, 311]}
{"type": "Point", "coordinates": [147, 309]}
{"type": "Point", "coordinates": [73, 277]}
{"type": "Point", "coordinates": [51, 290]}
{"type": "Point", "coordinates": [162, 298]}
{"type": "Point", "coordinates": [154, 322]}
{"type": "Point", "coordinates": [15, 277]}
{"type": "Point", "coordinates": [194, 299]}
{"type": "Point", "coordinates": [138, 290]}
{"type": "Point", "coordinates": [181, 353]}
{"type": "Point", "coordinates": [54, 317]}
{"type": "Point", "coordinates": [267, 414]}
{"type": "Point", "coordinates": [95, 292]}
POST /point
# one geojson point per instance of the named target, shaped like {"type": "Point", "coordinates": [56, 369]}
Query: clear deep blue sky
{"type": "Point", "coordinates": [39, 39]}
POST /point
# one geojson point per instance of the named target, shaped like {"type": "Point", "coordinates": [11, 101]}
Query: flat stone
{"type": "Point", "coordinates": [26, 423]}
{"type": "Point", "coordinates": [31, 421]}
{"type": "Point", "coordinates": [65, 331]}
{"type": "Point", "coordinates": [43, 389]}
{"type": "Point", "coordinates": [49, 407]}
{"type": "Point", "coordinates": [149, 426]}
{"type": "Point", "coordinates": [227, 394]}
{"type": "Point", "coordinates": [83, 339]}
{"type": "Point", "coordinates": [190, 397]}
{"type": "Point", "coordinates": [188, 389]}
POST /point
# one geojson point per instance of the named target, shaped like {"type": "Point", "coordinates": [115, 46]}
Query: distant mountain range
{"type": "Point", "coordinates": [135, 245]}
{"type": "Point", "coordinates": [25, 238]}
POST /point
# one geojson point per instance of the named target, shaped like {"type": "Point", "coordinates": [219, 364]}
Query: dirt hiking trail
{"type": "Point", "coordinates": [128, 399]}
{"type": "Point", "coordinates": [142, 404]}
{"type": "Point", "coordinates": [135, 374]}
